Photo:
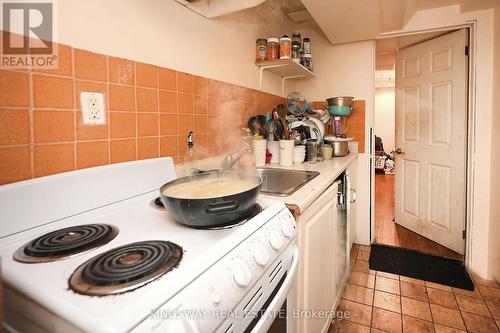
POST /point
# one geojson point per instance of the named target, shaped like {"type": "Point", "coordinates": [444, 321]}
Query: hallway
{"type": "Point", "coordinates": [389, 233]}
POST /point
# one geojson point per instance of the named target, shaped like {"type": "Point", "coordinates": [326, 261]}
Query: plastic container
{"type": "Point", "coordinates": [261, 49]}
{"type": "Point", "coordinates": [327, 152]}
{"type": "Point", "coordinates": [273, 49]}
{"type": "Point", "coordinates": [286, 152]}
{"type": "Point", "coordinates": [259, 151]}
{"type": "Point", "coordinates": [285, 47]}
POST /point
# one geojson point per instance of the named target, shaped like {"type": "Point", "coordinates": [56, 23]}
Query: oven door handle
{"type": "Point", "coordinates": [266, 321]}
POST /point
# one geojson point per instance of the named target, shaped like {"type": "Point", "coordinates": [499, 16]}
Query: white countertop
{"type": "Point", "coordinates": [305, 196]}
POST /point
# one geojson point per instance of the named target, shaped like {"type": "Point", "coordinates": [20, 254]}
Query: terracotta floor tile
{"type": "Point", "coordinates": [414, 291]}
{"type": "Point", "coordinates": [494, 309]}
{"type": "Point", "coordinates": [447, 317]}
{"type": "Point", "coordinates": [345, 326]}
{"type": "Point", "coordinates": [374, 330]}
{"type": "Point", "coordinates": [498, 323]}
{"type": "Point", "coordinates": [354, 250]}
{"type": "Point", "coordinates": [363, 253]}
{"type": "Point", "coordinates": [362, 266]}
{"type": "Point", "coordinates": [443, 298]}
{"type": "Point", "coordinates": [359, 313]}
{"type": "Point", "coordinates": [387, 301]}
{"type": "Point", "coordinates": [362, 279]}
{"type": "Point", "coordinates": [472, 305]}
{"type": "Point", "coordinates": [445, 329]}
{"type": "Point", "coordinates": [437, 286]}
{"type": "Point", "coordinates": [358, 294]}
{"type": "Point", "coordinates": [414, 325]}
{"type": "Point", "coordinates": [479, 324]}
{"type": "Point", "coordinates": [386, 284]}
{"type": "Point", "coordinates": [412, 280]}
{"type": "Point", "coordinates": [415, 308]}
{"type": "Point", "coordinates": [490, 293]}
{"type": "Point", "coordinates": [388, 275]}
{"type": "Point", "coordinates": [386, 320]}
{"type": "Point", "coordinates": [464, 292]}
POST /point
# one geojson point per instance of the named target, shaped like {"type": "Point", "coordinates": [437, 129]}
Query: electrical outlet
{"type": "Point", "coordinates": [93, 109]}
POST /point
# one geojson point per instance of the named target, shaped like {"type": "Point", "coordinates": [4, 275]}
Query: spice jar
{"type": "Point", "coordinates": [296, 39]}
{"type": "Point", "coordinates": [307, 61]}
{"type": "Point", "coordinates": [261, 49]}
{"type": "Point", "coordinates": [296, 52]}
{"type": "Point", "coordinates": [273, 49]}
{"type": "Point", "coordinates": [285, 47]}
{"type": "Point", "coordinates": [307, 46]}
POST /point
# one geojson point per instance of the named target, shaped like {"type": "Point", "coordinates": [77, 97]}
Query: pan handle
{"type": "Point", "coordinates": [222, 207]}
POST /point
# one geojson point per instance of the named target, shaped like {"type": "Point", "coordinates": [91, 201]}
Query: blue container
{"type": "Point", "coordinates": [339, 110]}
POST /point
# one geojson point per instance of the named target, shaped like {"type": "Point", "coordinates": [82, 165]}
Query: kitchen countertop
{"type": "Point", "coordinates": [305, 196]}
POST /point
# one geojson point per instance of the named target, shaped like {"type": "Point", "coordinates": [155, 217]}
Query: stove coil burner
{"type": "Point", "coordinates": [125, 268]}
{"type": "Point", "coordinates": [67, 242]}
{"type": "Point", "coordinates": [256, 210]}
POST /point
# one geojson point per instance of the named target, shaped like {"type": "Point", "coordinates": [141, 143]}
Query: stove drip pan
{"type": "Point", "coordinates": [125, 268]}
{"type": "Point", "coordinates": [65, 243]}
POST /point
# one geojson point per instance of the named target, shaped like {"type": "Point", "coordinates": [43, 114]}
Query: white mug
{"type": "Point", "coordinates": [286, 152]}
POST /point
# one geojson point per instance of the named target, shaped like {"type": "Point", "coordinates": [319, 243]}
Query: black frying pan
{"type": "Point", "coordinates": [212, 212]}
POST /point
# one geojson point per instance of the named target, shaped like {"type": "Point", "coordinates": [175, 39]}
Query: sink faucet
{"type": "Point", "coordinates": [232, 158]}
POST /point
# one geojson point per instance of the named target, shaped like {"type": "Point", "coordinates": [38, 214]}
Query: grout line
{"type": "Point", "coordinates": [75, 105]}
{"type": "Point", "coordinates": [106, 111]}
{"type": "Point", "coordinates": [31, 120]}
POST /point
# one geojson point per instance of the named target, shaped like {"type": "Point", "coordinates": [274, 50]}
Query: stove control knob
{"type": "Point", "coordinates": [181, 326]}
{"type": "Point", "coordinates": [215, 298]}
{"type": "Point", "coordinates": [241, 274]}
{"type": "Point", "coordinates": [287, 228]}
{"type": "Point", "coordinates": [275, 240]}
{"type": "Point", "coordinates": [260, 255]}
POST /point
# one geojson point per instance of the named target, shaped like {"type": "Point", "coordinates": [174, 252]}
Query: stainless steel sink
{"type": "Point", "coordinates": [281, 182]}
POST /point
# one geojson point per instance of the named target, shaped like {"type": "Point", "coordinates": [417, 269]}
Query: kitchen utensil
{"type": "Point", "coordinates": [259, 151]}
{"type": "Point", "coordinates": [339, 126]}
{"type": "Point", "coordinates": [317, 128]}
{"type": "Point", "coordinates": [340, 106]}
{"type": "Point", "coordinates": [340, 101]}
{"type": "Point", "coordinates": [286, 152]}
{"type": "Point", "coordinates": [216, 211]}
{"type": "Point", "coordinates": [296, 103]}
{"type": "Point", "coordinates": [312, 151]}
{"type": "Point", "coordinates": [340, 145]}
{"type": "Point", "coordinates": [327, 151]}
{"type": "Point", "coordinates": [271, 129]}
{"type": "Point", "coordinates": [280, 109]}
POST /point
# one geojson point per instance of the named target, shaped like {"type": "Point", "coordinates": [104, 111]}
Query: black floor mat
{"type": "Point", "coordinates": [421, 266]}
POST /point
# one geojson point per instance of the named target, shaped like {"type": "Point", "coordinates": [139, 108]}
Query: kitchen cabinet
{"type": "Point", "coordinates": [318, 235]}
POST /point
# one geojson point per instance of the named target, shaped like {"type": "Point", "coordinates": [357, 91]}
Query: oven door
{"type": "Point", "coordinates": [273, 316]}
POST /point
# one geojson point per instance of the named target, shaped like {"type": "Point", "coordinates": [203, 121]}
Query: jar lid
{"type": "Point", "coordinates": [306, 39]}
{"type": "Point", "coordinates": [285, 39]}
{"type": "Point", "coordinates": [296, 34]}
{"type": "Point", "coordinates": [273, 40]}
{"type": "Point", "coordinates": [261, 40]}
{"type": "Point", "coordinates": [307, 55]}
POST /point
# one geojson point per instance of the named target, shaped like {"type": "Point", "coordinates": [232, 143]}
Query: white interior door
{"type": "Point", "coordinates": [431, 133]}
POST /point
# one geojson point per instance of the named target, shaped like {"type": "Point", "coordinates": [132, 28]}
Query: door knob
{"type": "Point", "coordinates": [399, 151]}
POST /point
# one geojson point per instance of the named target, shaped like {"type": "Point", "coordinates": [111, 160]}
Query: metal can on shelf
{"type": "Point", "coordinates": [261, 49]}
{"type": "Point", "coordinates": [296, 39]}
{"type": "Point", "coordinates": [273, 49]}
{"type": "Point", "coordinates": [285, 47]}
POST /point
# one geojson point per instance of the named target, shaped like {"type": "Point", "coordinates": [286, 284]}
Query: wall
{"type": "Point", "coordinates": [167, 34]}
{"type": "Point", "coordinates": [480, 258]}
{"type": "Point", "coordinates": [385, 116]}
{"type": "Point", "coordinates": [495, 158]}
{"type": "Point", "coordinates": [150, 111]}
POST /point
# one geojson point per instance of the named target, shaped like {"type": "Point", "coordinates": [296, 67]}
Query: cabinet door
{"type": "Point", "coordinates": [319, 263]}
{"type": "Point", "coordinates": [351, 200]}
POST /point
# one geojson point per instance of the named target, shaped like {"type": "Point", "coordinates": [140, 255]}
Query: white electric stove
{"type": "Point", "coordinates": [218, 281]}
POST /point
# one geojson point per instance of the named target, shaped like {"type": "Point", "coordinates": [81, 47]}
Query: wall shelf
{"type": "Point", "coordinates": [286, 68]}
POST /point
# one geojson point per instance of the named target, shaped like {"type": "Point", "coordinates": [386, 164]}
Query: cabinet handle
{"type": "Point", "coordinates": [340, 198]}
{"type": "Point", "coordinates": [353, 195]}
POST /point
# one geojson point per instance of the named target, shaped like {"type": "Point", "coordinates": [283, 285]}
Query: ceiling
{"type": "Point", "coordinates": [344, 21]}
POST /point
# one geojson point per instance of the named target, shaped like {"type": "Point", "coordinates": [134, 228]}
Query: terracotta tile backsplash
{"type": "Point", "coordinates": [149, 112]}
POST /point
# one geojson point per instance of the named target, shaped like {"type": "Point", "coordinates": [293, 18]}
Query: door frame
{"type": "Point", "coordinates": [470, 128]}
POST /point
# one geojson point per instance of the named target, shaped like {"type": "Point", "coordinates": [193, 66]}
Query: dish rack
{"type": "Point", "coordinates": [380, 162]}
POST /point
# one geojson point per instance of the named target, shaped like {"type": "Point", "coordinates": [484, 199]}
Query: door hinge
{"type": "Point", "coordinates": [463, 234]}
{"type": "Point", "coordinates": [466, 50]}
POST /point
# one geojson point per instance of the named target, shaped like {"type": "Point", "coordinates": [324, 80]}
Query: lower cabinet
{"type": "Point", "coordinates": [319, 280]}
